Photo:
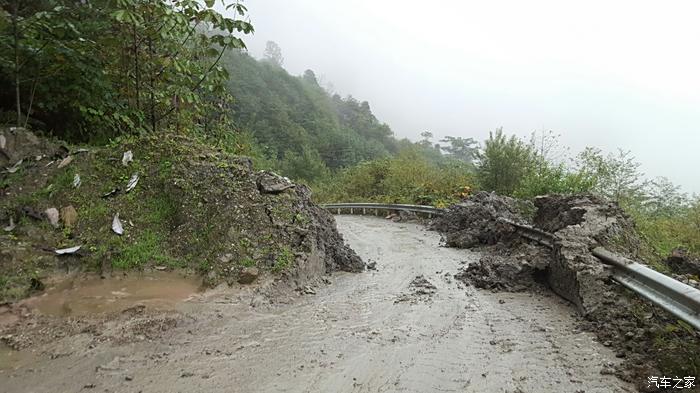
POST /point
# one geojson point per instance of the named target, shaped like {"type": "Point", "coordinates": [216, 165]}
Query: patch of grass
{"type": "Point", "coordinates": [302, 219]}
{"type": "Point", "coordinates": [159, 209]}
{"type": "Point", "coordinates": [7, 179]}
{"type": "Point", "coordinates": [165, 170]}
{"type": "Point", "coordinates": [93, 210]}
{"type": "Point", "coordinates": [204, 266]}
{"type": "Point", "coordinates": [12, 288]}
{"type": "Point", "coordinates": [64, 179]}
{"type": "Point", "coordinates": [247, 262]}
{"type": "Point", "coordinates": [284, 259]}
{"type": "Point", "coordinates": [147, 248]}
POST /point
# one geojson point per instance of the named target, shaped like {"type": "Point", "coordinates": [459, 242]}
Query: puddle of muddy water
{"type": "Point", "coordinates": [85, 296]}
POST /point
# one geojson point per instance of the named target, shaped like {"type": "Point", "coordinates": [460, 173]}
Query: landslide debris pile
{"type": "Point", "coordinates": [478, 221]}
{"type": "Point", "coordinates": [179, 204]}
{"type": "Point", "coordinates": [475, 220]}
{"type": "Point", "coordinates": [651, 341]}
{"type": "Point", "coordinates": [582, 223]}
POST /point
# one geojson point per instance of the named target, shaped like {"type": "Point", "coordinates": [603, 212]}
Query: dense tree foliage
{"type": "Point", "coordinates": [95, 69]}
{"type": "Point", "coordinates": [298, 123]}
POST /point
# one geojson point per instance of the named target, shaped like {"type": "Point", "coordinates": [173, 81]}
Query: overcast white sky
{"type": "Point", "coordinates": [610, 74]}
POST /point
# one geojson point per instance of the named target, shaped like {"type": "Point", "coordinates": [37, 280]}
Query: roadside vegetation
{"type": "Point", "coordinates": [94, 72]}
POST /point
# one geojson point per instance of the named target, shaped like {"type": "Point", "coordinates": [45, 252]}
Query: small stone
{"type": "Point", "coordinates": [52, 215]}
{"type": "Point", "coordinates": [272, 183]}
{"type": "Point", "coordinates": [64, 162]}
{"type": "Point", "coordinates": [129, 378]}
{"type": "Point", "coordinates": [248, 275]}
{"type": "Point", "coordinates": [69, 216]}
{"type": "Point", "coordinates": [226, 258]}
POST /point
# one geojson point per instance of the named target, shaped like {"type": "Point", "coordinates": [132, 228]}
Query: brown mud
{"type": "Point", "coordinates": [345, 335]}
{"type": "Point", "coordinates": [80, 296]}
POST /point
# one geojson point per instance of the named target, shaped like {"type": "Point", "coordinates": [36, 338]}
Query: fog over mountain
{"type": "Point", "coordinates": [611, 75]}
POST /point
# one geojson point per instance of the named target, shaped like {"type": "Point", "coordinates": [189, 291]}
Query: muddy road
{"type": "Point", "coordinates": [408, 326]}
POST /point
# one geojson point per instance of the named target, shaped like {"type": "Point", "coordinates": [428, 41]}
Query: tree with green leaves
{"type": "Point", "coordinates": [273, 53]}
{"type": "Point", "coordinates": [462, 149]}
{"type": "Point", "coordinates": [109, 67]}
{"type": "Point", "coordinates": [503, 163]}
{"type": "Point", "coordinates": [615, 176]}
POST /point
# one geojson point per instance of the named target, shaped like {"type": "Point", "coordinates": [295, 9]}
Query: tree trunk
{"type": "Point", "coordinates": [15, 30]}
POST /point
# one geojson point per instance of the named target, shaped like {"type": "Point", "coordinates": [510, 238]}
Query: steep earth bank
{"type": "Point", "coordinates": [151, 203]}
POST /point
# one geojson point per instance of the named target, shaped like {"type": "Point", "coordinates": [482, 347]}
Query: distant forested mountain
{"type": "Point", "coordinates": [298, 124]}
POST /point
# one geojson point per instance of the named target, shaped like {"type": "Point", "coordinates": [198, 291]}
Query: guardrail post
{"type": "Point", "coordinates": [363, 211]}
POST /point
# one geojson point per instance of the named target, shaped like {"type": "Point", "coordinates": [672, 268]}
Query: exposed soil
{"type": "Point", "coordinates": [181, 205]}
{"type": "Point", "coordinates": [474, 221]}
{"type": "Point", "coordinates": [349, 336]}
{"type": "Point", "coordinates": [512, 269]}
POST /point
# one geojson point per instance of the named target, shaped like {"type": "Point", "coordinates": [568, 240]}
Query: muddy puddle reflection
{"type": "Point", "coordinates": [85, 296]}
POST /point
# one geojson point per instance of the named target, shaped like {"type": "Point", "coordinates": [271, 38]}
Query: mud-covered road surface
{"type": "Point", "coordinates": [407, 326]}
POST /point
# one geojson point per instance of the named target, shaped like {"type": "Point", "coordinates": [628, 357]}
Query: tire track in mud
{"type": "Point", "coordinates": [368, 332]}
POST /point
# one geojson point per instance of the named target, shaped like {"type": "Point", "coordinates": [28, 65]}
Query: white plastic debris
{"type": "Point", "coordinates": [14, 168]}
{"type": "Point", "coordinates": [112, 192]}
{"type": "Point", "coordinates": [64, 162]}
{"type": "Point", "coordinates": [76, 181]}
{"type": "Point", "coordinates": [132, 182]}
{"type": "Point", "coordinates": [127, 158]}
{"type": "Point", "coordinates": [3, 141]}
{"type": "Point", "coordinates": [70, 250]}
{"type": "Point", "coordinates": [10, 227]}
{"type": "Point", "coordinates": [117, 225]}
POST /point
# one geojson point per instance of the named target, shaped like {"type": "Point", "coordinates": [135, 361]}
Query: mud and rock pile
{"type": "Point", "coordinates": [582, 223]}
{"type": "Point", "coordinates": [475, 220]}
{"type": "Point", "coordinates": [651, 341]}
{"type": "Point", "coordinates": [685, 267]}
{"type": "Point", "coordinates": [523, 267]}
{"type": "Point", "coordinates": [180, 204]}
{"type": "Point", "coordinates": [420, 290]}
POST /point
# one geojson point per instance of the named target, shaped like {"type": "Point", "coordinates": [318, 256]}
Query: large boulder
{"type": "Point", "coordinates": [17, 143]}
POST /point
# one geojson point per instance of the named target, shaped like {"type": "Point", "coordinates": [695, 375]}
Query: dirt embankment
{"type": "Point", "coordinates": [165, 202]}
{"type": "Point", "coordinates": [651, 341]}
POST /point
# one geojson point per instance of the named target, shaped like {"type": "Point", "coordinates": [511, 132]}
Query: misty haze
{"type": "Point", "coordinates": [369, 196]}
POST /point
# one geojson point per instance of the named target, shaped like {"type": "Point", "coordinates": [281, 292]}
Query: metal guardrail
{"type": "Point", "coordinates": [677, 298]}
{"type": "Point", "coordinates": [544, 238]}
{"type": "Point", "coordinates": [429, 210]}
